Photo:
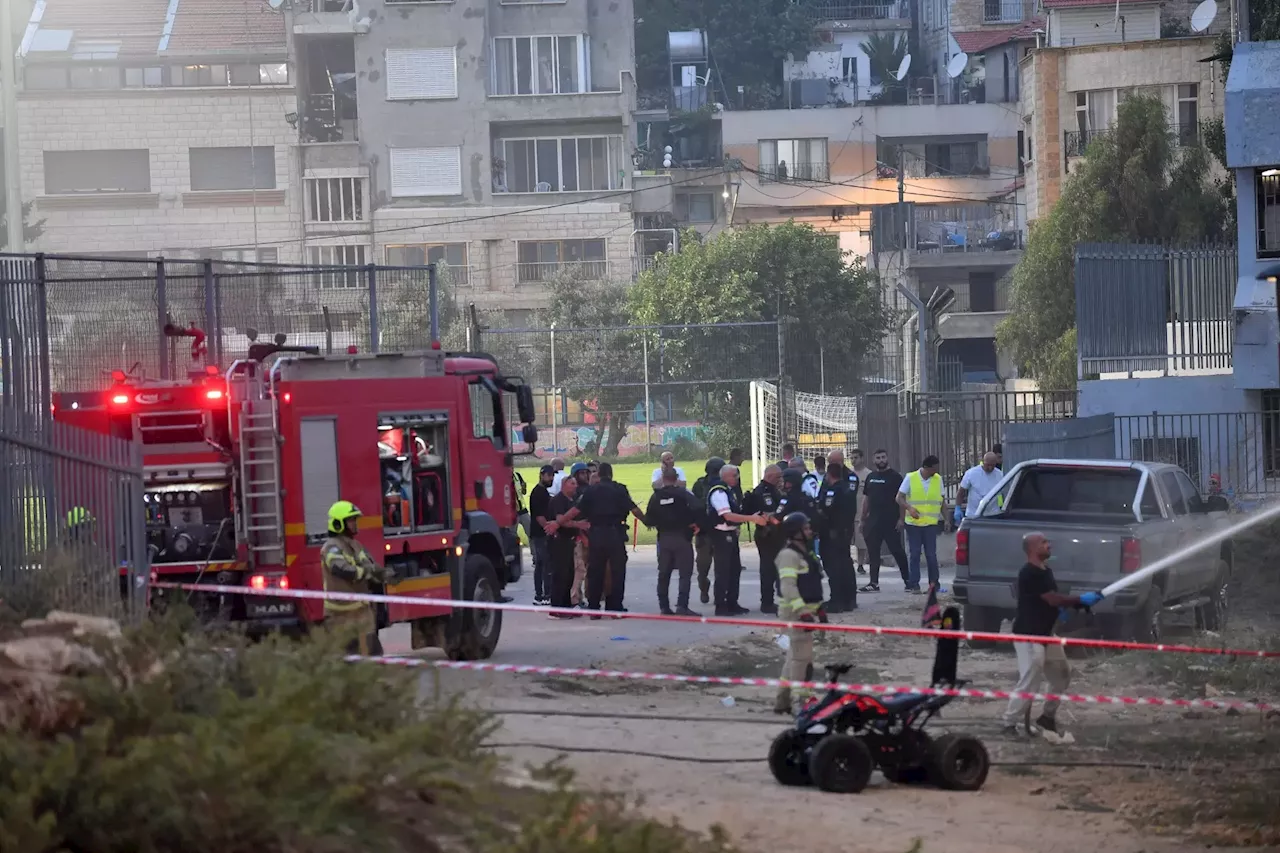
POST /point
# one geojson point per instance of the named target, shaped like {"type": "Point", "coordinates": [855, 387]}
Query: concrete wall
{"type": "Point", "coordinates": [827, 62]}
{"type": "Point", "coordinates": [168, 122]}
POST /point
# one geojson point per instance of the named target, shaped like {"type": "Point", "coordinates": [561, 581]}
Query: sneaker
{"type": "Point", "coordinates": [769, 609]}
{"type": "Point", "coordinates": [1049, 724]}
{"type": "Point", "coordinates": [705, 596]}
{"type": "Point", "coordinates": [861, 570]}
{"type": "Point", "coordinates": [738, 610]}
{"type": "Point", "coordinates": [559, 616]}
{"type": "Point", "coordinates": [684, 611]}
{"type": "Point", "coordinates": [666, 611]}
{"type": "Point", "coordinates": [871, 587]}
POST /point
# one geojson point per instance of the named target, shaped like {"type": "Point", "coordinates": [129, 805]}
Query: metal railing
{"type": "Point", "coordinates": [1002, 11]}
{"type": "Point", "coordinates": [1144, 307]}
{"type": "Point", "coordinates": [1240, 448]}
{"type": "Point", "coordinates": [849, 10]}
{"type": "Point", "coordinates": [545, 271]}
{"type": "Point", "coordinates": [782, 171]}
{"type": "Point", "coordinates": [942, 229]}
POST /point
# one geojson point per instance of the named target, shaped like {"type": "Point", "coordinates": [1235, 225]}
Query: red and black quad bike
{"type": "Point", "coordinates": [839, 740]}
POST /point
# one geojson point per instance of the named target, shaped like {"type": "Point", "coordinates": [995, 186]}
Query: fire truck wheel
{"type": "Point", "coordinates": [478, 635]}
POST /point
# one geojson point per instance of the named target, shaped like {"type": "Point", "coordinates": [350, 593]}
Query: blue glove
{"type": "Point", "coordinates": [958, 515]}
{"type": "Point", "coordinates": [1088, 599]}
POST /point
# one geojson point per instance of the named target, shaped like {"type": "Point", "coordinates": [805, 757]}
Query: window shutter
{"type": "Point", "coordinates": [421, 73]}
{"type": "Point", "coordinates": [426, 172]}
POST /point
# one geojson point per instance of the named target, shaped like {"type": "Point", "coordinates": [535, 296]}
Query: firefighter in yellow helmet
{"type": "Point", "coordinates": [80, 524]}
{"type": "Point", "coordinates": [800, 578]}
{"type": "Point", "coordinates": [349, 568]}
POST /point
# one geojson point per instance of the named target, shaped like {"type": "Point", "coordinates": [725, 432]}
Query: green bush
{"type": "Point", "coordinates": [279, 746]}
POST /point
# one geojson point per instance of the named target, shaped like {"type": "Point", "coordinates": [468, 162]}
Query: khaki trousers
{"type": "Point", "coordinates": [1038, 663]}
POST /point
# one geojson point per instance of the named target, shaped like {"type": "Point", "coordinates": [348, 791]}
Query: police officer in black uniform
{"type": "Point", "coordinates": [675, 512]}
{"type": "Point", "coordinates": [763, 499]}
{"type": "Point", "coordinates": [837, 503]}
{"type": "Point", "coordinates": [605, 506]}
{"type": "Point", "coordinates": [723, 505]}
{"type": "Point", "coordinates": [702, 541]}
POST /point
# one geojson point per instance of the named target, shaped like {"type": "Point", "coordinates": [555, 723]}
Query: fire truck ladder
{"type": "Point", "coordinates": [260, 483]}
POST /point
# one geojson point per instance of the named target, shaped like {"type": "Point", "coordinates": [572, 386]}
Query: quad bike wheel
{"type": "Point", "coordinates": [959, 763]}
{"type": "Point", "coordinates": [787, 759]}
{"type": "Point", "coordinates": [841, 764]}
{"type": "Point", "coordinates": [906, 768]}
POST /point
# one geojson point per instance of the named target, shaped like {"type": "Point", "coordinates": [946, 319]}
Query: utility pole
{"type": "Point", "coordinates": [12, 174]}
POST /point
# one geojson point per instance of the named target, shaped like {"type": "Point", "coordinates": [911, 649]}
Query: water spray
{"type": "Point", "coordinates": [1177, 556]}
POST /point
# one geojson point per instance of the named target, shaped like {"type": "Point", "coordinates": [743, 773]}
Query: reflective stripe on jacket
{"type": "Point", "coordinates": [347, 567]}
{"type": "Point", "coordinates": [926, 497]}
{"type": "Point", "coordinates": [801, 583]}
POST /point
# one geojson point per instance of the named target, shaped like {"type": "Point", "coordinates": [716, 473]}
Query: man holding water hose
{"type": "Point", "coordinates": [1039, 603]}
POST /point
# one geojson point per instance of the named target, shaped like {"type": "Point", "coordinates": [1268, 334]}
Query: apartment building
{"type": "Point", "coordinates": [487, 135]}
{"type": "Point", "coordinates": [1071, 92]}
{"type": "Point", "coordinates": [152, 126]}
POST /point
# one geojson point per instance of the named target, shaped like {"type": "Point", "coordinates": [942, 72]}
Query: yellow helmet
{"type": "Point", "coordinates": [340, 513]}
{"type": "Point", "coordinates": [78, 515]}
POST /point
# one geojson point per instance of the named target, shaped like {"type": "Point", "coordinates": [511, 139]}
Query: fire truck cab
{"type": "Point", "coordinates": [419, 441]}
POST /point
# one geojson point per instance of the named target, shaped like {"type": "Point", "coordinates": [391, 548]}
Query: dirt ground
{"type": "Point", "coordinates": [1190, 780]}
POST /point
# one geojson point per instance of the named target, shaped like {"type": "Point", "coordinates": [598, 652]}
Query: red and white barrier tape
{"type": "Point", "coordinates": [878, 689]}
{"type": "Point", "coordinates": [772, 624]}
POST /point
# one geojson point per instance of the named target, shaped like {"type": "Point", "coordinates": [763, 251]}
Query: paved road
{"type": "Point", "coordinates": [529, 638]}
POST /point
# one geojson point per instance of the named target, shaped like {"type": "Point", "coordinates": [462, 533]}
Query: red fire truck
{"type": "Point", "coordinates": [241, 469]}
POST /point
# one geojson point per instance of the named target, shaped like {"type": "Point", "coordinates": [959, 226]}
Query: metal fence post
{"type": "Point", "coordinates": [373, 307]}
{"type": "Point", "coordinates": [782, 389]}
{"type": "Point", "coordinates": [433, 298]}
{"type": "Point", "coordinates": [213, 352]}
{"type": "Point", "coordinates": [42, 309]}
{"type": "Point", "coordinates": [162, 318]}
{"type": "Point", "coordinates": [648, 406]}
{"type": "Point", "coordinates": [555, 398]}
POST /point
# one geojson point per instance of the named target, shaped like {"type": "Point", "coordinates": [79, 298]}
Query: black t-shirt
{"type": "Point", "coordinates": [1035, 616]}
{"type": "Point", "coordinates": [880, 491]}
{"type": "Point", "coordinates": [559, 505]}
{"type": "Point", "coordinates": [539, 501]}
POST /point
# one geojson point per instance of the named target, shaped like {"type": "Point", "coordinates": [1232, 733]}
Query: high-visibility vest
{"type": "Point", "coordinates": [926, 497]}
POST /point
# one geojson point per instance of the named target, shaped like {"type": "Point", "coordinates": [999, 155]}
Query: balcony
{"type": "Point", "coordinates": [1002, 11]}
{"type": "Point", "coordinates": [783, 172]}
{"type": "Point", "coordinates": [326, 18]}
{"type": "Point", "coordinates": [861, 10]}
{"type": "Point", "coordinates": [544, 272]}
{"type": "Point", "coordinates": [1076, 142]}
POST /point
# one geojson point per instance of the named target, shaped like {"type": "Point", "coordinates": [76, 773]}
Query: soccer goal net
{"type": "Point", "coordinates": [812, 422]}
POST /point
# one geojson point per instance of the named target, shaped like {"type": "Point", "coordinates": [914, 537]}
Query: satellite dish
{"type": "Point", "coordinates": [960, 61]}
{"type": "Point", "coordinates": [903, 67]}
{"type": "Point", "coordinates": [1203, 16]}
{"type": "Point", "coordinates": [275, 4]}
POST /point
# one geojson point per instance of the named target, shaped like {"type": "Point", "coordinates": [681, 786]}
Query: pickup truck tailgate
{"type": "Point", "coordinates": [1084, 556]}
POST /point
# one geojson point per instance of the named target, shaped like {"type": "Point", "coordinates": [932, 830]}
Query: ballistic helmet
{"type": "Point", "coordinates": [793, 525]}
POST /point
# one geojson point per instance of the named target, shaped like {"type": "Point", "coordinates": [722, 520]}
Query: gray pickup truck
{"type": "Point", "coordinates": [1104, 519]}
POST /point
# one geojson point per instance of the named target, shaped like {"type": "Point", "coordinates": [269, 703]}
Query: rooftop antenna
{"type": "Point", "coordinates": [957, 65]}
{"type": "Point", "coordinates": [903, 67]}
{"type": "Point", "coordinates": [1203, 16]}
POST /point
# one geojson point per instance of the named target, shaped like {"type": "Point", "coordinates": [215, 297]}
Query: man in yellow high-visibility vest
{"type": "Point", "coordinates": [920, 502]}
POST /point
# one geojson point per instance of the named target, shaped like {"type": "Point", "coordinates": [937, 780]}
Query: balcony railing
{"type": "Point", "coordinates": [1076, 142]}
{"type": "Point", "coordinates": [860, 10]}
{"type": "Point", "coordinates": [545, 271]}
{"type": "Point", "coordinates": [783, 171]}
{"type": "Point", "coordinates": [1001, 11]}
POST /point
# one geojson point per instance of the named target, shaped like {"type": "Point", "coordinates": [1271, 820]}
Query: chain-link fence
{"type": "Point", "coordinates": [104, 314]}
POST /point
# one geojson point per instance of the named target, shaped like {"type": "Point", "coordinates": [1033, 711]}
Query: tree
{"type": "Point", "coordinates": [766, 273]}
{"type": "Point", "coordinates": [31, 231]}
{"type": "Point", "coordinates": [1135, 183]}
{"type": "Point", "coordinates": [885, 52]}
{"type": "Point", "coordinates": [749, 39]}
{"type": "Point", "coordinates": [600, 364]}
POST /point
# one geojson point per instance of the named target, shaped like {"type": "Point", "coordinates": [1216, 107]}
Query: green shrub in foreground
{"type": "Point", "coordinates": [229, 748]}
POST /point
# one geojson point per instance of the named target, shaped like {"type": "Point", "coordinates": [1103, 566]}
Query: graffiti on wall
{"type": "Point", "coordinates": [567, 441]}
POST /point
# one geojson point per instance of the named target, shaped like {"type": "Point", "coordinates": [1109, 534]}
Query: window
{"type": "Point", "coordinates": [1172, 493]}
{"type": "Point", "coordinates": [143, 78]}
{"type": "Point", "coordinates": [412, 457]}
{"type": "Point", "coordinates": [793, 159]}
{"type": "Point", "coordinates": [1188, 129]}
{"type": "Point", "coordinates": [101, 171]}
{"type": "Point", "coordinates": [426, 172]}
{"type": "Point", "coordinates": [576, 164]}
{"type": "Point", "coordinates": [486, 416]}
{"type": "Point", "coordinates": [849, 70]}
{"type": "Point", "coordinates": [956, 159]}
{"type": "Point", "coordinates": [269, 255]}
{"type": "Point", "coordinates": [1022, 152]}
{"type": "Point", "coordinates": [539, 65]}
{"type": "Point", "coordinates": [1190, 493]}
{"type": "Point", "coordinates": [198, 75]}
{"type": "Point", "coordinates": [1149, 505]}
{"type": "Point", "coordinates": [1001, 11]}
{"type": "Point", "coordinates": [543, 260]}
{"type": "Point", "coordinates": [272, 74]}
{"type": "Point", "coordinates": [450, 258]}
{"type": "Point", "coordinates": [415, 74]}
{"type": "Point", "coordinates": [342, 256]}
{"type": "Point", "coordinates": [95, 77]}
{"type": "Point", "coordinates": [233, 168]}
{"type": "Point", "coordinates": [1267, 185]}
{"type": "Point", "coordinates": [335, 199]}
{"type": "Point", "coordinates": [696, 207]}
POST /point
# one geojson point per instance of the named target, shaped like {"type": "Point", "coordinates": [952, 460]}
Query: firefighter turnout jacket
{"type": "Point", "coordinates": [348, 568]}
{"type": "Point", "coordinates": [800, 575]}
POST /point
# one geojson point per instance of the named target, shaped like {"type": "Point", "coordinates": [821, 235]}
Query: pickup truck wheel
{"type": "Point", "coordinates": [986, 620]}
{"type": "Point", "coordinates": [1212, 616]}
{"type": "Point", "coordinates": [1146, 624]}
